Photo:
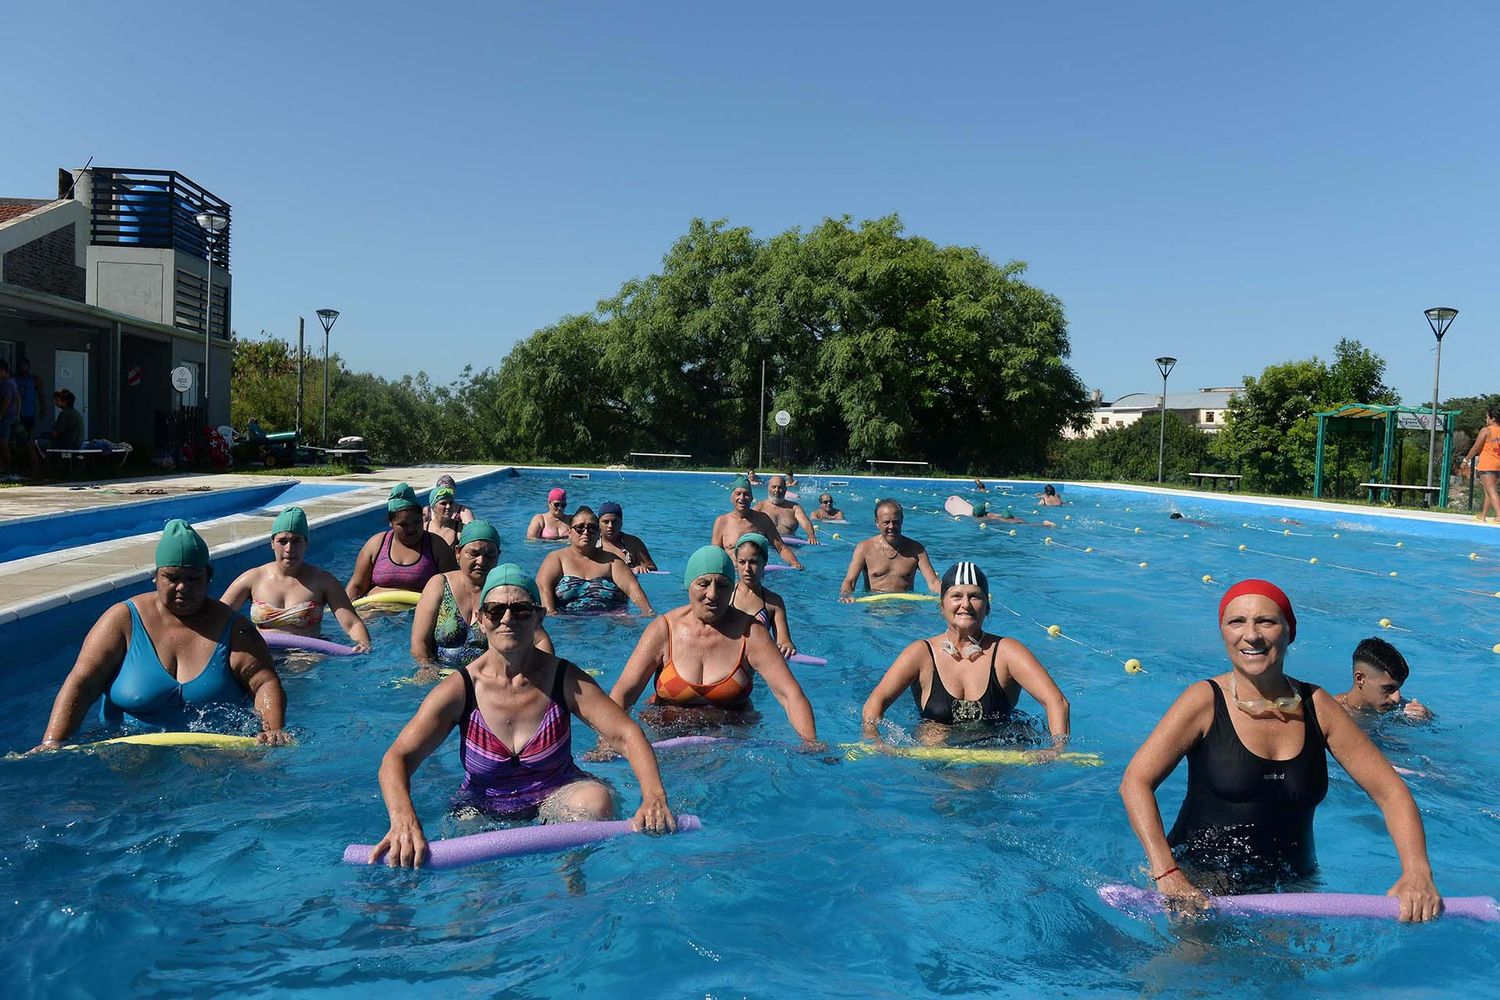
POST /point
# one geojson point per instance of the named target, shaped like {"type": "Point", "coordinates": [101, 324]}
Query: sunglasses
{"type": "Point", "coordinates": [519, 612]}
{"type": "Point", "coordinates": [581, 529]}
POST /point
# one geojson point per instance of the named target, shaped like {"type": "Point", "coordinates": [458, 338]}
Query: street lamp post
{"type": "Point", "coordinates": [212, 223]}
{"type": "Point", "coordinates": [1439, 318]}
{"type": "Point", "coordinates": [1164, 365]}
{"type": "Point", "coordinates": [327, 317]}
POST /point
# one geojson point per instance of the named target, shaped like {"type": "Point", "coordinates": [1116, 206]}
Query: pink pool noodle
{"type": "Point", "coordinates": [1304, 904]}
{"type": "Point", "coordinates": [687, 741]}
{"type": "Point", "coordinates": [277, 639]}
{"type": "Point", "coordinates": [813, 661]}
{"type": "Point", "coordinates": [516, 841]}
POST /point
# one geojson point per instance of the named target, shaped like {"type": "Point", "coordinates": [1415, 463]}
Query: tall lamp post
{"type": "Point", "coordinates": [1439, 318]}
{"type": "Point", "coordinates": [327, 317]}
{"type": "Point", "coordinates": [1164, 365]}
{"type": "Point", "coordinates": [212, 223]}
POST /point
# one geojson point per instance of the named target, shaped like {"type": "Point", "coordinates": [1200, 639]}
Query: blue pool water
{"type": "Point", "coordinates": [33, 536]}
{"type": "Point", "coordinates": [193, 873]}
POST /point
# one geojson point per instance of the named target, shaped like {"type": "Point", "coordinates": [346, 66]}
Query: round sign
{"type": "Point", "coordinates": [783, 418]}
{"type": "Point", "coordinates": [182, 378]}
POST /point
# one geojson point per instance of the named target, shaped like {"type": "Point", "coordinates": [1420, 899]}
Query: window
{"type": "Point", "coordinates": [1208, 417]}
{"type": "Point", "coordinates": [1103, 421]}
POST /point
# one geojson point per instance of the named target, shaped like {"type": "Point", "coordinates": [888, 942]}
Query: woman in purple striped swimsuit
{"type": "Point", "coordinates": [513, 709]}
{"type": "Point", "coordinates": [404, 557]}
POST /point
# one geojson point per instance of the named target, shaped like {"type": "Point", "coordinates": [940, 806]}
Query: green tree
{"type": "Point", "coordinates": [1129, 453]}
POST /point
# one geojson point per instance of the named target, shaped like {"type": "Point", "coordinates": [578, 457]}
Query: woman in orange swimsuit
{"type": "Point", "coordinates": [708, 653]}
{"type": "Point", "coordinates": [289, 594]}
{"type": "Point", "coordinates": [1487, 447]}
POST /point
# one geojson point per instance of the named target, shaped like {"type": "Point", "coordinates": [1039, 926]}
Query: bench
{"type": "Point", "coordinates": [1429, 493]}
{"type": "Point", "coordinates": [1214, 478]}
{"type": "Point", "coordinates": [90, 456]}
{"type": "Point", "coordinates": [894, 461]}
{"type": "Point", "coordinates": [345, 456]}
{"type": "Point", "coordinates": [676, 456]}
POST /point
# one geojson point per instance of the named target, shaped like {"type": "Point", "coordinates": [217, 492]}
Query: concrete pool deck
{"type": "Point", "coordinates": [39, 583]}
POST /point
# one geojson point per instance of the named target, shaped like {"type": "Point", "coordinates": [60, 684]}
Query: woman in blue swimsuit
{"type": "Point", "coordinates": [751, 597]}
{"type": "Point", "coordinates": [583, 578]}
{"type": "Point", "coordinates": [174, 659]}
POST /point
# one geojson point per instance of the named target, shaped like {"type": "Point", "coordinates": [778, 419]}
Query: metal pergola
{"type": "Point", "coordinates": [1383, 421]}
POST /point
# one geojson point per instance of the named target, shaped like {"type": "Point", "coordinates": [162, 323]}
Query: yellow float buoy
{"type": "Point", "coordinates": [1473, 555]}
{"type": "Point", "coordinates": [1393, 572]}
{"type": "Point", "coordinates": [1385, 623]}
{"type": "Point", "coordinates": [835, 534]}
{"type": "Point", "coordinates": [982, 526]}
{"type": "Point", "coordinates": [1313, 560]}
{"type": "Point", "coordinates": [1137, 531]}
{"type": "Point", "coordinates": [1495, 648]}
{"type": "Point", "coordinates": [1242, 548]}
{"type": "Point", "coordinates": [1013, 532]}
{"type": "Point", "coordinates": [1287, 531]}
{"type": "Point", "coordinates": [1144, 565]}
{"type": "Point", "coordinates": [1088, 548]}
{"type": "Point", "coordinates": [1047, 540]}
{"type": "Point", "coordinates": [1054, 630]}
{"type": "Point", "coordinates": [1133, 666]}
{"type": "Point", "coordinates": [1400, 545]}
{"type": "Point", "coordinates": [1208, 578]}
{"type": "Point", "coordinates": [1335, 534]}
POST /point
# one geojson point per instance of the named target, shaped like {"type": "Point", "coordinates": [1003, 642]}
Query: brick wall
{"type": "Point", "coordinates": [46, 264]}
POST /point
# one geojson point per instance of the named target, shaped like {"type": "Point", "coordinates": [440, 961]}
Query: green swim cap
{"type": "Point", "coordinates": [509, 575]}
{"type": "Point", "coordinates": [402, 496]}
{"type": "Point", "coordinates": [293, 521]}
{"type": "Point", "coordinates": [1010, 512]}
{"type": "Point", "coordinates": [180, 545]}
{"type": "Point", "coordinates": [708, 561]}
{"type": "Point", "coordinates": [478, 531]}
{"type": "Point", "coordinates": [740, 482]}
{"type": "Point", "coordinates": [443, 493]}
{"type": "Point", "coordinates": [981, 508]}
{"type": "Point", "coordinates": [754, 538]}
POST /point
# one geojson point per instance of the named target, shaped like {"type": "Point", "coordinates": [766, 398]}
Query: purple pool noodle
{"type": "Point", "coordinates": [516, 841]}
{"type": "Point", "coordinates": [687, 741]}
{"type": "Point", "coordinates": [793, 540]}
{"type": "Point", "coordinates": [1304, 904]}
{"type": "Point", "coordinates": [814, 661]}
{"type": "Point", "coordinates": [277, 639]}
{"type": "Point", "coordinates": [777, 567]}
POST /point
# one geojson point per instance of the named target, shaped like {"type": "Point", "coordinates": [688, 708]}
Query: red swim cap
{"type": "Point", "coordinates": [1263, 588]}
{"type": "Point", "coordinates": [557, 493]}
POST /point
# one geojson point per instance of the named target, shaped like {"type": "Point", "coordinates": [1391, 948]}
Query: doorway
{"type": "Point", "coordinates": [72, 373]}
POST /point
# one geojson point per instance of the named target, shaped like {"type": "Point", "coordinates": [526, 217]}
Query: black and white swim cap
{"type": "Point", "coordinates": [965, 574]}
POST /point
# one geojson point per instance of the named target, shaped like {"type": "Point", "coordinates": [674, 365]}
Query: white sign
{"type": "Point", "coordinates": [182, 378]}
{"type": "Point", "coordinates": [1419, 421]}
{"type": "Point", "coordinates": [783, 418]}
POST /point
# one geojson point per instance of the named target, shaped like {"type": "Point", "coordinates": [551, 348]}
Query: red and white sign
{"type": "Point", "coordinates": [134, 375]}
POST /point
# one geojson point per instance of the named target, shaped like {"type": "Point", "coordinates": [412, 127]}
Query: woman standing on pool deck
{"type": "Point", "coordinates": [707, 653]}
{"type": "Point", "coordinates": [583, 578]}
{"type": "Point", "coordinates": [750, 554]}
{"type": "Point", "coordinates": [288, 594]}
{"type": "Point", "coordinates": [551, 525]}
{"type": "Point", "coordinates": [403, 558]}
{"type": "Point", "coordinates": [138, 656]}
{"type": "Point", "coordinates": [445, 629]}
{"type": "Point", "coordinates": [515, 695]}
{"type": "Point", "coordinates": [1487, 447]}
{"type": "Point", "coordinates": [1257, 770]}
{"type": "Point", "coordinates": [988, 672]}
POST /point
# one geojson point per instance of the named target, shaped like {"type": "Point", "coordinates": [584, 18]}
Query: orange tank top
{"type": "Point", "coordinates": [1489, 455]}
{"type": "Point", "coordinates": [731, 692]}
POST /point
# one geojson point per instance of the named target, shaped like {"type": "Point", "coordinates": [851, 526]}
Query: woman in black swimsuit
{"type": "Point", "coordinates": [1256, 742]}
{"type": "Point", "coordinates": [966, 676]}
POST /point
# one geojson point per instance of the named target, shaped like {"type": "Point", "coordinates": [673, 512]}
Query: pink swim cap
{"type": "Point", "coordinates": [558, 493]}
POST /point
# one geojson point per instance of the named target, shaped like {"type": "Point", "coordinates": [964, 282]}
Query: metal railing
{"type": "Point", "coordinates": [157, 209]}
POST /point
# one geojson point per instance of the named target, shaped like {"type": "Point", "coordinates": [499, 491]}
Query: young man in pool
{"type": "Point", "coordinates": [1379, 672]}
{"type": "Point", "coordinates": [787, 515]}
{"type": "Point", "coordinates": [889, 561]}
{"type": "Point", "coordinates": [743, 519]}
{"type": "Point", "coordinates": [826, 511]}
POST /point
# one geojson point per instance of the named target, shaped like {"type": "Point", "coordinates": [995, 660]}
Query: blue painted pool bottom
{"type": "Point", "coordinates": [866, 878]}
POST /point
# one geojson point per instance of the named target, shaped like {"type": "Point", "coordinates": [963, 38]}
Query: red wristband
{"type": "Point", "coordinates": [1158, 878]}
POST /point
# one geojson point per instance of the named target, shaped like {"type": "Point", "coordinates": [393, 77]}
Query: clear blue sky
{"type": "Point", "coordinates": [1232, 183]}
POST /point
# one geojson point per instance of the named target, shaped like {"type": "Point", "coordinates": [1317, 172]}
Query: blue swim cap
{"type": "Point", "coordinates": [180, 545]}
{"type": "Point", "coordinates": [292, 521]}
{"type": "Point", "coordinates": [478, 530]}
{"type": "Point", "coordinates": [710, 560]}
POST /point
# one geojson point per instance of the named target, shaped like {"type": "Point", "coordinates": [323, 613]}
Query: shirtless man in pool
{"type": "Point", "coordinates": [742, 519]}
{"type": "Point", "coordinates": [787, 515]}
{"type": "Point", "coordinates": [889, 561]}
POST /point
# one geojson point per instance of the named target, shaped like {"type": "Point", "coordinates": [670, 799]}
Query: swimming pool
{"type": "Point", "coordinates": [29, 536]}
{"type": "Point", "coordinates": [175, 873]}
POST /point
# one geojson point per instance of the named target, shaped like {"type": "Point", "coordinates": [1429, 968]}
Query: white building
{"type": "Point", "coordinates": [1204, 409]}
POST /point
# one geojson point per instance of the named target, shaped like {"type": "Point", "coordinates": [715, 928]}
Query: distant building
{"type": "Point", "coordinates": [102, 289]}
{"type": "Point", "coordinates": [1204, 409]}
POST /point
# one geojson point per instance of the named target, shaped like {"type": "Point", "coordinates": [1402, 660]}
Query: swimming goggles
{"type": "Point", "coordinates": [1283, 705]}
